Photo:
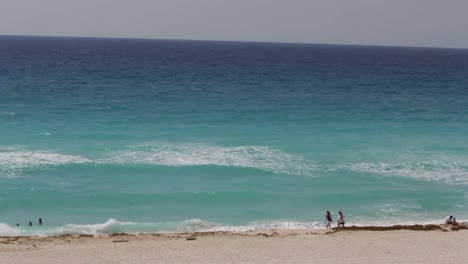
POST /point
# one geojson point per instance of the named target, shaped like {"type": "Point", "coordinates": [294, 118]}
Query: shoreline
{"type": "Point", "coordinates": [273, 232]}
{"type": "Point", "coordinates": [413, 227]}
{"type": "Point", "coordinates": [366, 244]}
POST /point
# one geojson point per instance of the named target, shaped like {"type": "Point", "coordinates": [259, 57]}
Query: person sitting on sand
{"type": "Point", "coordinates": [328, 220]}
{"type": "Point", "coordinates": [449, 220]}
{"type": "Point", "coordinates": [340, 220]}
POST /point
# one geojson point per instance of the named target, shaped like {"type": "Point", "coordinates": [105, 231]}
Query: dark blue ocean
{"type": "Point", "coordinates": [129, 135]}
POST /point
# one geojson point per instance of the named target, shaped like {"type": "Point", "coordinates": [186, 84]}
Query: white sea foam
{"type": "Point", "coordinates": [446, 172]}
{"type": "Point", "coordinates": [192, 225]}
{"type": "Point", "coordinates": [259, 226]}
{"type": "Point", "coordinates": [110, 226]}
{"type": "Point", "coordinates": [398, 213]}
{"type": "Point", "coordinates": [197, 225]}
{"type": "Point", "coordinates": [258, 157]}
{"type": "Point", "coordinates": [14, 161]}
{"type": "Point", "coordinates": [6, 230]}
{"type": "Point", "coordinates": [453, 170]}
{"type": "Point", "coordinates": [114, 226]}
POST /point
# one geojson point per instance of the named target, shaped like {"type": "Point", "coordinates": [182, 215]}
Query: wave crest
{"type": "Point", "coordinates": [6, 230]}
{"type": "Point", "coordinates": [114, 226]}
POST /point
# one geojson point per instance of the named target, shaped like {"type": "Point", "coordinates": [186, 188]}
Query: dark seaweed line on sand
{"type": "Point", "coordinates": [404, 227]}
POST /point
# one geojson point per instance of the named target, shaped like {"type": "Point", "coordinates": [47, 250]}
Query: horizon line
{"type": "Point", "coordinates": [238, 41]}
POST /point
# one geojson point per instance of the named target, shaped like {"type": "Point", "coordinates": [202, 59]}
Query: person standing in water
{"type": "Point", "coordinates": [340, 221]}
{"type": "Point", "coordinates": [328, 220]}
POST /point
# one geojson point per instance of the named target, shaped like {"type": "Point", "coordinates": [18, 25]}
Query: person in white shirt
{"type": "Point", "coordinates": [340, 220]}
{"type": "Point", "coordinates": [449, 220]}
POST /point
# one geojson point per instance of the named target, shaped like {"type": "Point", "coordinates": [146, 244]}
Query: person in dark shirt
{"type": "Point", "coordinates": [328, 220]}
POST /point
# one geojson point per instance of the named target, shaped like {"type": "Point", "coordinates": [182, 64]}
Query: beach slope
{"type": "Point", "coordinates": [359, 245]}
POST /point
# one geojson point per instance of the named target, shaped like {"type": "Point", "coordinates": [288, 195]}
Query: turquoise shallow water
{"type": "Point", "coordinates": [113, 135]}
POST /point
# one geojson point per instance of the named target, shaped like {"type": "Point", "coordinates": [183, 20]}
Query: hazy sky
{"type": "Point", "coordinates": [437, 23]}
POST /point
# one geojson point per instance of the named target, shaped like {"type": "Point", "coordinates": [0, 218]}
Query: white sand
{"type": "Point", "coordinates": [285, 246]}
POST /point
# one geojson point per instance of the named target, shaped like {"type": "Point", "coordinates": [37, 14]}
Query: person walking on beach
{"type": "Point", "coordinates": [328, 220]}
{"type": "Point", "coordinates": [340, 221]}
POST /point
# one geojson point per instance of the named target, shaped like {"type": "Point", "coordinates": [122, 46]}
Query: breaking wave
{"type": "Point", "coordinates": [6, 230]}
{"type": "Point", "coordinates": [112, 226]}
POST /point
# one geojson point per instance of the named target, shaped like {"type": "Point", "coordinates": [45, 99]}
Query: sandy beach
{"type": "Point", "coordinates": [397, 244]}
